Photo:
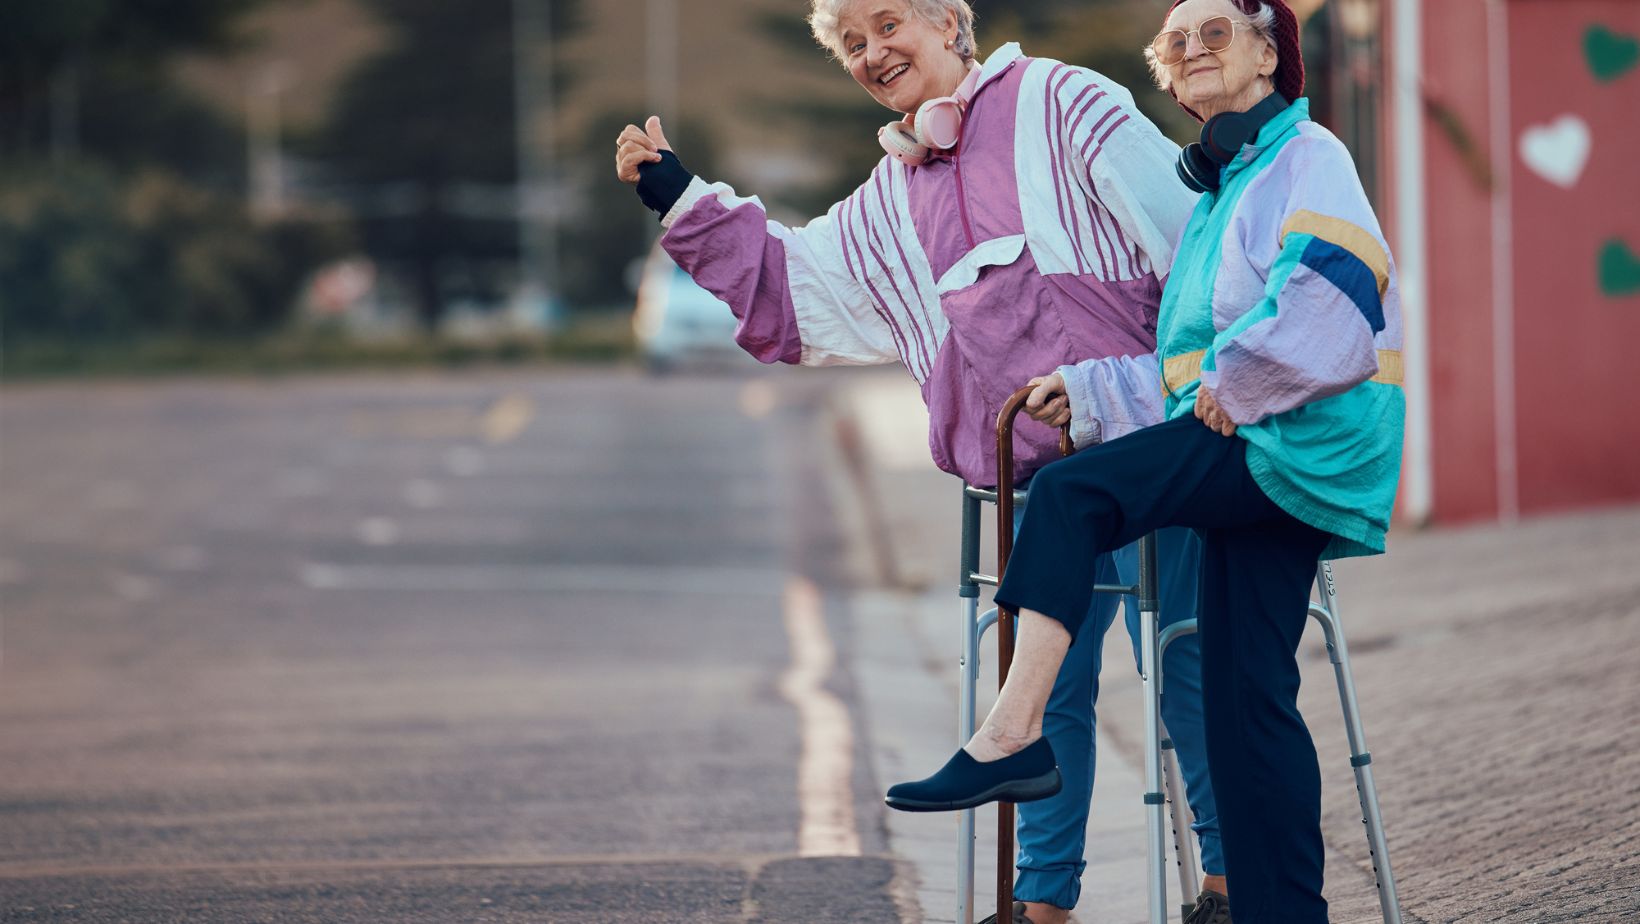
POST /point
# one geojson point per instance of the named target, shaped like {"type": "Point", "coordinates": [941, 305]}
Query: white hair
{"type": "Point", "coordinates": [825, 15]}
{"type": "Point", "coordinates": [1263, 22]}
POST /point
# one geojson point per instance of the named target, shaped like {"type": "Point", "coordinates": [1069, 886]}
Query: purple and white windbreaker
{"type": "Point", "coordinates": [1042, 241]}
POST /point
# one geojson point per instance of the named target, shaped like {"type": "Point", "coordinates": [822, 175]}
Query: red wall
{"type": "Point", "coordinates": [1577, 424]}
{"type": "Point", "coordinates": [1576, 347]}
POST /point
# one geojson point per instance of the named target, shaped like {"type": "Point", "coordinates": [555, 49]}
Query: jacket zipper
{"type": "Point", "coordinates": [962, 197]}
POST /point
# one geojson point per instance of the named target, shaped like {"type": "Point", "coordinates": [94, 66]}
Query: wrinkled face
{"type": "Point", "coordinates": [1213, 80]}
{"type": "Point", "coordinates": [899, 57]}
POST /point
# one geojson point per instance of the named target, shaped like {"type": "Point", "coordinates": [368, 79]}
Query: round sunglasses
{"type": "Point", "coordinates": [1216, 34]}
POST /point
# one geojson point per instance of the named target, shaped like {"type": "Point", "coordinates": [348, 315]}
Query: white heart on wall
{"type": "Point", "coordinates": [1559, 151]}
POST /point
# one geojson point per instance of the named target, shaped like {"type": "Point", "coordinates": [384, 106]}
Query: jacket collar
{"type": "Point", "coordinates": [1269, 135]}
{"type": "Point", "coordinates": [998, 64]}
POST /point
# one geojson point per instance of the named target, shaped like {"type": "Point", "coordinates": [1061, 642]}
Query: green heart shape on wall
{"type": "Point", "coordinates": [1619, 270]}
{"type": "Point", "coordinates": [1610, 54]}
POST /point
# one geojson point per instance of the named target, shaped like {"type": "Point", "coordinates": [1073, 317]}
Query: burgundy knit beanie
{"type": "Point", "coordinates": [1289, 75]}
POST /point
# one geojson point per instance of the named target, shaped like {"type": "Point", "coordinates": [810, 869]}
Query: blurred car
{"type": "Point", "coordinates": [678, 323]}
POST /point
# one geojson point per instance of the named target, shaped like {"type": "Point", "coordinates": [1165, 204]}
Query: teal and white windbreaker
{"type": "Point", "coordinates": [1283, 301]}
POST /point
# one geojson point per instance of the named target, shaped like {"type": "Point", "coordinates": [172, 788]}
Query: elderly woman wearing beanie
{"type": "Point", "coordinates": [1023, 219]}
{"type": "Point", "coordinates": [1278, 352]}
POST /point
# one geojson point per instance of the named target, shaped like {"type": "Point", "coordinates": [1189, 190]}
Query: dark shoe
{"type": "Point", "coordinates": [1019, 915]}
{"type": "Point", "coordinates": [964, 782]}
{"type": "Point", "coordinates": [1211, 908]}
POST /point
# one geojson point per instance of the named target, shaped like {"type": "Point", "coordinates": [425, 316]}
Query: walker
{"type": "Point", "coordinates": [1161, 767]}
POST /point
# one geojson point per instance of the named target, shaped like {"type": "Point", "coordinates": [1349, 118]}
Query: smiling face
{"type": "Point", "coordinates": [1232, 80]}
{"type": "Point", "coordinates": [900, 58]}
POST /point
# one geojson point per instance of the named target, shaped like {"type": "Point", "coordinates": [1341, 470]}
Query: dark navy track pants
{"type": "Point", "coordinates": [1258, 564]}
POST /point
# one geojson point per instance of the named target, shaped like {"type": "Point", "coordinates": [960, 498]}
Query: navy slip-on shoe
{"type": "Point", "coordinates": [964, 782]}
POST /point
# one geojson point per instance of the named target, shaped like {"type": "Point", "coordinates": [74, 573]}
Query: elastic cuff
{"type": "Point", "coordinates": [1213, 381]}
{"type": "Point", "coordinates": [661, 184]}
{"type": "Point", "coordinates": [1085, 428]}
{"type": "Point", "coordinates": [1212, 854]}
{"type": "Point", "coordinates": [1061, 888]}
{"type": "Point", "coordinates": [697, 190]}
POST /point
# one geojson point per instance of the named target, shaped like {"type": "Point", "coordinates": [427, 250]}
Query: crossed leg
{"type": "Point", "coordinates": [1175, 474]}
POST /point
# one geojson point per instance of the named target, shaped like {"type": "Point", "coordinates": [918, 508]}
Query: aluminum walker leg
{"type": "Point", "coordinates": [1151, 673]}
{"type": "Point", "coordinates": [1366, 790]}
{"type": "Point", "coordinates": [968, 685]}
{"type": "Point", "coordinates": [973, 626]}
{"type": "Point", "coordinates": [1178, 811]}
{"type": "Point", "coordinates": [1327, 615]}
{"type": "Point", "coordinates": [1184, 842]}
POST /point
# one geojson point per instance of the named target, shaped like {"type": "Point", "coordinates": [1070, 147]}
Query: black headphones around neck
{"type": "Point", "coordinates": [1201, 163]}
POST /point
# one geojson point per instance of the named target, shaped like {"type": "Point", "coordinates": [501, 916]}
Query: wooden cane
{"type": "Point", "coordinates": [1005, 619]}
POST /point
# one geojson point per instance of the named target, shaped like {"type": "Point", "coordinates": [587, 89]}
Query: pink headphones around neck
{"type": "Point", "coordinates": [936, 128]}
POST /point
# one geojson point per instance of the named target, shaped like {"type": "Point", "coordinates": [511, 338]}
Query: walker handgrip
{"type": "Point", "coordinates": [1005, 617]}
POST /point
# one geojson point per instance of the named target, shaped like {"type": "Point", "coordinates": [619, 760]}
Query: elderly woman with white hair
{"type": "Point", "coordinates": [1023, 218]}
{"type": "Point", "coordinates": [1279, 351]}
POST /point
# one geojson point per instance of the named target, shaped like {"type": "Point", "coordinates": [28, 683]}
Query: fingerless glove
{"type": "Point", "coordinates": [661, 184]}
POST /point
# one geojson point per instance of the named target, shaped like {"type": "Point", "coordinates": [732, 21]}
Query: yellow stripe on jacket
{"type": "Point", "coordinates": [1179, 371]}
{"type": "Point", "coordinates": [1353, 238]}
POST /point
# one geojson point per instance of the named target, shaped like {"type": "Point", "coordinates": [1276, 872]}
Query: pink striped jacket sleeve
{"type": "Point", "coordinates": [821, 294]}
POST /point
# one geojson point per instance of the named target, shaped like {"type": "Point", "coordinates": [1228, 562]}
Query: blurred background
{"type": "Point", "coordinates": [291, 183]}
{"type": "Point", "coordinates": [228, 170]}
{"type": "Point", "coordinates": [389, 532]}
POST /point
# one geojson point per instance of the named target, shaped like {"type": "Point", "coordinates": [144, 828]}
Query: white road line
{"type": "Point", "coordinates": [133, 587]}
{"type": "Point", "coordinates": [181, 558]}
{"type": "Point", "coordinates": [758, 399]}
{"type": "Point", "coordinates": [464, 461]}
{"type": "Point", "coordinates": [300, 482]}
{"type": "Point", "coordinates": [508, 418]}
{"type": "Point", "coordinates": [641, 579]}
{"type": "Point", "coordinates": [377, 531]}
{"type": "Point", "coordinates": [423, 494]}
{"type": "Point", "coordinates": [826, 767]}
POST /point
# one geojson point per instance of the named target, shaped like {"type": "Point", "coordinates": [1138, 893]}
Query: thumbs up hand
{"type": "Point", "coordinates": [652, 128]}
{"type": "Point", "coordinates": [639, 146]}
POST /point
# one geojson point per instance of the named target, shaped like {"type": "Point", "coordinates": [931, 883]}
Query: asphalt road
{"type": "Point", "coordinates": [548, 648]}
{"type": "Point", "coordinates": [418, 649]}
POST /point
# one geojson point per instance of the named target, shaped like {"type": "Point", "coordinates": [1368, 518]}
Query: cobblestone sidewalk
{"type": "Point", "coordinates": [1499, 675]}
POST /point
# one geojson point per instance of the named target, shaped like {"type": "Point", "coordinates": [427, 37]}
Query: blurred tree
{"type": "Point", "coordinates": [121, 199]}
{"type": "Point", "coordinates": [88, 76]}
{"type": "Point", "coordinates": [421, 143]}
{"type": "Point", "coordinates": [91, 255]}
